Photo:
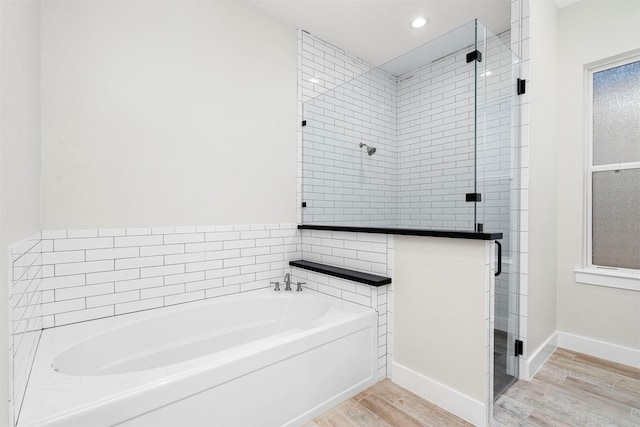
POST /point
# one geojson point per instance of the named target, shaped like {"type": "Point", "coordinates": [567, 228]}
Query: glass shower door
{"type": "Point", "coordinates": [395, 145]}
{"type": "Point", "coordinates": [498, 173]}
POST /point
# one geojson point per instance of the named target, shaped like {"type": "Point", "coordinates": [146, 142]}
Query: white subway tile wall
{"type": "Point", "coordinates": [520, 16]}
{"type": "Point", "coordinates": [323, 66]}
{"type": "Point", "coordinates": [352, 103]}
{"type": "Point", "coordinates": [365, 252]}
{"type": "Point", "coordinates": [436, 144]}
{"type": "Point", "coordinates": [25, 316]}
{"type": "Point", "coordinates": [89, 274]}
{"type": "Point", "coordinates": [437, 134]}
{"type": "Point", "coordinates": [422, 125]}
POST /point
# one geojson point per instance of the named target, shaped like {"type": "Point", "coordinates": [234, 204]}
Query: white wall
{"type": "Point", "coordinates": [19, 148]}
{"type": "Point", "coordinates": [588, 31]}
{"type": "Point", "coordinates": [166, 113]}
{"type": "Point", "coordinates": [543, 172]}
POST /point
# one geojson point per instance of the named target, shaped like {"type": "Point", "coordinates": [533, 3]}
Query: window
{"type": "Point", "coordinates": [613, 170]}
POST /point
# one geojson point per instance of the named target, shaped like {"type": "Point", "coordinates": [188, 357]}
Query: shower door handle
{"type": "Point", "coordinates": [499, 269]}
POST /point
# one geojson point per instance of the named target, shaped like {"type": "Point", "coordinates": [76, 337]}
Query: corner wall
{"type": "Point", "coordinates": [598, 313]}
{"type": "Point", "coordinates": [542, 85]}
{"type": "Point", "coordinates": [19, 152]}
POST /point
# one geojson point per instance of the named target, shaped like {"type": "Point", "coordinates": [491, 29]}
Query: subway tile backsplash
{"type": "Point", "coordinates": [89, 274]}
{"type": "Point", "coordinates": [25, 315]}
{"type": "Point", "coordinates": [82, 275]}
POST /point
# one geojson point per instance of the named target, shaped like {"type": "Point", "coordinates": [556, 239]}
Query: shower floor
{"type": "Point", "coordinates": [501, 380]}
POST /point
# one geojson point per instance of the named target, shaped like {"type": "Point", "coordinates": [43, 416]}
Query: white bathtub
{"type": "Point", "coordinates": [260, 358]}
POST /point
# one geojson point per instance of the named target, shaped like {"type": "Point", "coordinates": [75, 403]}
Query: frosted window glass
{"type": "Point", "coordinates": [616, 218]}
{"type": "Point", "coordinates": [616, 115]}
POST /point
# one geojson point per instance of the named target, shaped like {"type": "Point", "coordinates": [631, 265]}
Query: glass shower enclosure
{"type": "Point", "coordinates": [430, 141]}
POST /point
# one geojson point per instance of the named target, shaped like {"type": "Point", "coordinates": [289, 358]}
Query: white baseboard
{"type": "Point", "coordinates": [445, 397]}
{"type": "Point", "coordinates": [604, 350]}
{"type": "Point", "coordinates": [534, 362]}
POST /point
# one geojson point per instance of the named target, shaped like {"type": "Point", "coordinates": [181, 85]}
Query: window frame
{"type": "Point", "coordinates": [616, 277]}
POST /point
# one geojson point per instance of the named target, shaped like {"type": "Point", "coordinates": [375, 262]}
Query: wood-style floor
{"type": "Point", "coordinates": [386, 404]}
{"type": "Point", "coordinates": [576, 390]}
{"type": "Point", "coordinates": [571, 389]}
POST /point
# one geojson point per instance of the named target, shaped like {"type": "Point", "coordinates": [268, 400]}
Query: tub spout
{"type": "Point", "coordinates": [287, 282]}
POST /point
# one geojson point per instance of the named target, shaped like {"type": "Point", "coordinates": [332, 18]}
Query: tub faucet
{"type": "Point", "coordinates": [287, 282]}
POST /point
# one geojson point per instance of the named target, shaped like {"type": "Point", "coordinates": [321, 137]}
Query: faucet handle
{"type": "Point", "coordinates": [277, 288]}
{"type": "Point", "coordinates": [299, 289]}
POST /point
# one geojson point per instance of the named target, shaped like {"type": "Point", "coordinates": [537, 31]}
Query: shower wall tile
{"type": "Point", "coordinates": [422, 125]}
{"type": "Point", "coordinates": [90, 274]}
{"type": "Point", "coordinates": [436, 137]}
{"type": "Point", "coordinates": [323, 66]}
{"type": "Point", "coordinates": [25, 315]}
{"type": "Point", "coordinates": [351, 103]}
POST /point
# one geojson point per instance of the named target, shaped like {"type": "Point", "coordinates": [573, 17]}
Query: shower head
{"type": "Point", "coordinates": [370, 150]}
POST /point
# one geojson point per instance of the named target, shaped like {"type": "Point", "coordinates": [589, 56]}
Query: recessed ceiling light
{"type": "Point", "coordinates": [314, 80]}
{"type": "Point", "coordinates": [419, 22]}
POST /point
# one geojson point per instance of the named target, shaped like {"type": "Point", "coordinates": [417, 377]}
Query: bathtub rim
{"type": "Point", "coordinates": [200, 372]}
{"type": "Point", "coordinates": [177, 310]}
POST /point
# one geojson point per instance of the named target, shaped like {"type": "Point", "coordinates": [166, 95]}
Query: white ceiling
{"type": "Point", "coordinates": [379, 30]}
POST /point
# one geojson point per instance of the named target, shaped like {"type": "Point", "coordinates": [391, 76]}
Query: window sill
{"type": "Point", "coordinates": [608, 278]}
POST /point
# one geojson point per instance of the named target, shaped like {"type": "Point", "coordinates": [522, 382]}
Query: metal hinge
{"type": "Point", "coordinates": [519, 348]}
{"type": "Point", "coordinates": [474, 197]}
{"type": "Point", "coordinates": [476, 55]}
{"type": "Point", "coordinates": [521, 86]}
